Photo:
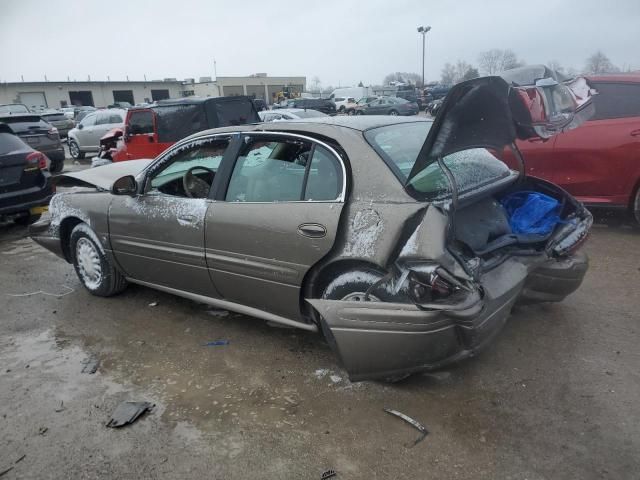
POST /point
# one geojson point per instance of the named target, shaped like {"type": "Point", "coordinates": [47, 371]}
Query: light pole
{"type": "Point", "coordinates": [423, 31]}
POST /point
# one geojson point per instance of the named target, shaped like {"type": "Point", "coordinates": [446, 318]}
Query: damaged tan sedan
{"type": "Point", "coordinates": [390, 236]}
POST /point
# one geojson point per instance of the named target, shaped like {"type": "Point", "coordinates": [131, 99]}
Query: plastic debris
{"type": "Point", "coordinates": [414, 423]}
{"type": "Point", "coordinates": [532, 213]}
{"type": "Point", "coordinates": [43, 430]}
{"type": "Point", "coordinates": [328, 474]}
{"type": "Point", "coordinates": [216, 343]}
{"type": "Point", "coordinates": [7, 470]}
{"type": "Point", "coordinates": [90, 365]}
{"type": "Point", "coordinates": [153, 304]}
{"type": "Point", "coordinates": [60, 408]}
{"type": "Point", "coordinates": [70, 290]}
{"type": "Point", "coordinates": [128, 412]}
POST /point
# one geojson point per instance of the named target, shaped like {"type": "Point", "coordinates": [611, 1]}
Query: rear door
{"type": "Point", "coordinates": [277, 216]}
{"type": "Point", "coordinates": [599, 162]}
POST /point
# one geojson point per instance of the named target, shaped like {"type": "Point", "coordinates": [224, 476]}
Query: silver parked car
{"type": "Point", "coordinates": [289, 114]}
{"type": "Point", "coordinates": [85, 137]}
{"type": "Point", "coordinates": [392, 236]}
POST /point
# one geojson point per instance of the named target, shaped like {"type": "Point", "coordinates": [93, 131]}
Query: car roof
{"type": "Point", "coordinates": [320, 125]}
{"type": "Point", "coordinates": [190, 101]}
{"type": "Point", "coordinates": [615, 77]}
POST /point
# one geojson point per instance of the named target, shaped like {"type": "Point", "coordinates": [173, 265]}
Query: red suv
{"type": "Point", "coordinates": [599, 163]}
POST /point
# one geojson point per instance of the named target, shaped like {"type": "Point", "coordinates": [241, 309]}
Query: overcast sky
{"type": "Point", "coordinates": [339, 41]}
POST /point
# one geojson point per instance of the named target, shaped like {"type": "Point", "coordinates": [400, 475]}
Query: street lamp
{"type": "Point", "coordinates": [423, 31]}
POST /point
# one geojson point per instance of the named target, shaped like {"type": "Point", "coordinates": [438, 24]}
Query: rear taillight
{"type": "Point", "coordinates": [53, 133]}
{"type": "Point", "coordinates": [37, 160]}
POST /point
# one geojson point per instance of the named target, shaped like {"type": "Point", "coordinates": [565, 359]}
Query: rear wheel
{"type": "Point", "coordinates": [636, 207]}
{"type": "Point", "coordinates": [93, 268]}
{"type": "Point", "coordinates": [74, 150]}
{"type": "Point", "coordinates": [56, 166]}
{"type": "Point", "coordinates": [393, 113]}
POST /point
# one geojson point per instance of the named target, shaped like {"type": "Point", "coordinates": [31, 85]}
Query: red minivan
{"type": "Point", "coordinates": [148, 131]}
{"type": "Point", "coordinates": [599, 162]}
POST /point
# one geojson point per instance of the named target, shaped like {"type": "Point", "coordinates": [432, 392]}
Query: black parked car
{"type": "Point", "coordinates": [323, 105]}
{"type": "Point", "coordinates": [25, 184]}
{"type": "Point", "coordinates": [38, 134]}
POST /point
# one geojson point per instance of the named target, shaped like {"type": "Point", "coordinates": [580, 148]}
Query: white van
{"type": "Point", "coordinates": [354, 92]}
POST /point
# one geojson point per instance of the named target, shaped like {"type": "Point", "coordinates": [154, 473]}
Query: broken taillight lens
{"type": "Point", "coordinates": [37, 160]}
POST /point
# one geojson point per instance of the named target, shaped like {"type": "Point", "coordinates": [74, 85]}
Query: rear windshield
{"type": "Point", "coordinates": [25, 123]}
{"type": "Point", "coordinates": [10, 143]}
{"type": "Point", "coordinates": [53, 117]}
{"type": "Point", "coordinates": [13, 109]}
{"type": "Point", "coordinates": [399, 146]}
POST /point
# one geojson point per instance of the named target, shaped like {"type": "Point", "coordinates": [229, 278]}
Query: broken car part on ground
{"type": "Point", "coordinates": [386, 234]}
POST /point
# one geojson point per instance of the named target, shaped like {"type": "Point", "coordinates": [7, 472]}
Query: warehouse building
{"type": "Point", "coordinates": [52, 94]}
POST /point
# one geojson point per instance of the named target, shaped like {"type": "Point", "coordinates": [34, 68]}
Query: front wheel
{"type": "Point", "coordinates": [393, 113]}
{"type": "Point", "coordinates": [74, 150]}
{"type": "Point", "coordinates": [93, 268]}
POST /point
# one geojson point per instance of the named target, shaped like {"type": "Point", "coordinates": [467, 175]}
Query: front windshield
{"type": "Point", "coordinates": [399, 146]}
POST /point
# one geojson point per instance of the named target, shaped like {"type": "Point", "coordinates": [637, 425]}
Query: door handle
{"type": "Point", "coordinates": [312, 230]}
{"type": "Point", "coordinates": [635, 133]}
{"type": "Point", "coordinates": [187, 218]}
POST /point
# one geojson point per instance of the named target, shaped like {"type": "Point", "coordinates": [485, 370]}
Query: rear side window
{"type": "Point", "coordinates": [616, 100]}
{"type": "Point", "coordinates": [103, 119]}
{"type": "Point", "coordinates": [10, 143]}
{"type": "Point", "coordinates": [232, 112]}
{"type": "Point", "coordinates": [176, 122]}
{"type": "Point", "coordinates": [115, 118]}
{"type": "Point", "coordinates": [284, 171]}
{"type": "Point", "coordinates": [141, 123]}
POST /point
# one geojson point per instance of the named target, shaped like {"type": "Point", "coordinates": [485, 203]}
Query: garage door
{"type": "Point", "coordinates": [35, 101]}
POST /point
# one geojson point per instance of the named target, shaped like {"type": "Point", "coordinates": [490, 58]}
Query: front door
{"type": "Point", "coordinates": [158, 236]}
{"type": "Point", "coordinates": [85, 133]}
{"type": "Point", "coordinates": [276, 218]}
{"type": "Point", "coordinates": [141, 139]}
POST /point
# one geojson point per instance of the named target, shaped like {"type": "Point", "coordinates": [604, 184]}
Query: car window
{"type": "Point", "coordinates": [103, 118]}
{"type": "Point", "coordinates": [399, 146]}
{"type": "Point", "coordinates": [115, 118]}
{"type": "Point", "coordinates": [141, 122]}
{"type": "Point", "coordinates": [324, 180]}
{"type": "Point", "coordinates": [89, 120]}
{"type": "Point", "coordinates": [169, 178]}
{"type": "Point", "coordinates": [10, 143]}
{"type": "Point", "coordinates": [15, 108]}
{"type": "Point", "coordinates": [269, 171]}
{"type": "Point", "coordinates": [338, 99]}
{"type": "Point", "coordinates": [616, 100]}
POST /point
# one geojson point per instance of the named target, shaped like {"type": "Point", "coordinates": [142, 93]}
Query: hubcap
{"type": "Point", "coordinates": [393, 113]}
{"type": "Point", "coordinates": [88, 262]}
{"type": "Point", "coordinates": [73, 149]}
{"type": "Point", "coordinates": [359, 297]}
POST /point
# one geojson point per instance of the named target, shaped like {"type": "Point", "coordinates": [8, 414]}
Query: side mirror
{"type": "Point", "coordinates": [126, 185]}
{"type": "Point", "coordinates": [80, 126]}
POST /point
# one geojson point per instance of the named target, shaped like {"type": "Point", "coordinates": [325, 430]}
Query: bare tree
{"type": "Point", "coordinates": [448, 75]}
{"type": "Point", "coordinates": [461, 71]}
{"type": "Point", "coordinates": [314, 85]}
{"type": "Point", "coordinates": [599, 63]}
{"type": "Point", "coordinates": [497, 60]}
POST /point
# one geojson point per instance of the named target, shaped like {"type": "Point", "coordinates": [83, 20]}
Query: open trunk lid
{"type": "Point", "coordinates": [492, 112]}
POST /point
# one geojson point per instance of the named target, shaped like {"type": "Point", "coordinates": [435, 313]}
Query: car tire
{"type": "Point", "coordinates": [95, 271]}
{"type": "Point", "coordinates": [636, 207]}
{"type": "Point", "coordinates": [74, 150]}
{"type": "Point", "coordinates": [56, 166]}
{"type": "Point", "coordinates": [359, 112]}
{"type": "Point", "coordinates": [341, 109]}
{"type": "Point", "coordinates": [354, 284]}
{"type": "Point", "coordinates": [26, 220]}
{"type": "Point", "coordinates": [394, 113]}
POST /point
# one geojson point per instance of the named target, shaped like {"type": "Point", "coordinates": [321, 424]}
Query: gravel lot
{"type": "Point", "coordinates": [555, 397]}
